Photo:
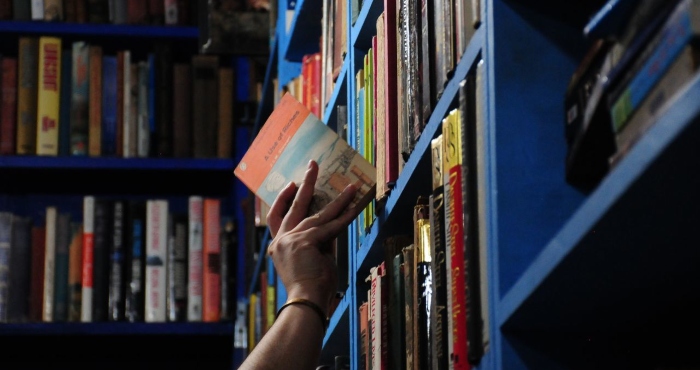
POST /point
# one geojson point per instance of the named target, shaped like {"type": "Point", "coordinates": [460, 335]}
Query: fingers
{"type": "Point", "coordinates": [280, 207]}
{"type": "Point", "coordinates": [331, 210]}
{"type": "Point", "coordinates": [330, 230]}
{"type": "Point", "coordinates": [302, 200]}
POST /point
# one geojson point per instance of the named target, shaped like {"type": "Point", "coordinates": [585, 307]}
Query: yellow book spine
{"type": "Point", "coordinates": [48, 96]}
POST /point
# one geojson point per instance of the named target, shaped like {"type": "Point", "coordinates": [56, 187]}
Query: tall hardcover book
{"type": "Point", "coordinates": [28, 60]}
{"type": "Point", "coordinates": [108, 145]}
{"type": "Point", "coordinates": [65, 103]}
{"type": "Point", "coordinates": [177, 268]}
{"type": "Point", "coordinates": [8, 102]}
{"type": "Point", "coordinates": [36, 294]}
{"type": "Point", "coordinates": [61, 292]}
{"type": "Point", "coordinates": [80, 93]}
{"type": "Point", "coordinates": [156, 258]}
{"type": "Point", "coordinates": [49, 264]}
{"type": "Point", "coordinates": [205, 105]}
{"type": "Point", "coordinates": [438, 308]}
{"type": "Point", "coordinates": [117, 277]}
{"type": "Point", "coordinates": [194, 258]}
{"type": "Point", "coordinates": [290, 138]}
{"type": "Point", "coordinates": [211, 263]}
{"type": "Point", "coordinates": [95, 55]}
{"type": "Point", "coordinates": [102, 241]}
{"type": "Point", "coordinates": [49, 87]}
{"type": "Point", "coordinates": [225, 135]}
{"type": "Point", "coordinates": [88, 249]}
{"type": "Point", "coordinates": [454, 226]}
{"type": "Point", "coordinates": [75, 270]}
{"type": "Point", "coordinates": [5, 241]}
{"type": "Point", "coordinates": [136, 262]}
{"type": "Point", "coordinates": [182, 111]}
{"type": "Point", "coordinates": [20, 273]}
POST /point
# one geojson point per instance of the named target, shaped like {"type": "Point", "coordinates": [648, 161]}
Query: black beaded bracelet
{"type": "Point", "coordinates": [308, 303]}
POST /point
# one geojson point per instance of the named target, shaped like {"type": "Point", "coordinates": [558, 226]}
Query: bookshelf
{"type": "Point", "coordinates": [575, 280]}
{"type": "Point", "coordinates": [33, 182]}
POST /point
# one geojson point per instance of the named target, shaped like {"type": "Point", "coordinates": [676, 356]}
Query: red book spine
{"type": "Point", "coordinates": [456, 231]}
{"type": "Point", "coordinates": [390, 93]}
{"type": "Point", "coordinates": [211, 247]}
{"type": "Point", "coordinates": [8, 119]}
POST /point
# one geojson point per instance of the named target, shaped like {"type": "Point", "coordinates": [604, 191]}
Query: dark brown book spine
{"type": "Point", "coordinates": [136, 12]}
{"type": "Point", "coordinates": [205, 105]}
{"type": "Point", "coordinates": [8, 117]}
{"type": "Point", "coordinates": [70, 10]}
{"type": "Point", "coordinates": [5, 9]}
{"type": "Point", "coordinates": [182, 111]}
{"type": "Point", "coordinates": [225, 136]}
{"type": "Point", "coordinates": [81, 11]}
{"type": "Point", "coordinates": [98, 11]}
{"type": "Point", "coordinates": [36, 295]}
{"type": "Point", "coordinates": [164, 100]}
{"type": "Point", "coordinates": [156, 11]}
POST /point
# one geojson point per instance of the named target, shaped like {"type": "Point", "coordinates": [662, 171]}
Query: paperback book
{"type": "Point", "coordinates": [290, 138]}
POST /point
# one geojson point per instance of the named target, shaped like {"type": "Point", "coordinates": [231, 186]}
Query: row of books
{"type": "Point", "coordinates": [426, 306]}
{"type": "Point", "coordinates": [156, 12]}
{"type": "Point", "coordinates": [625, 82]}
{"type": "Point", "coordinates": [81, 101]}
{"type": "Point", "coordinates": [119, 260]}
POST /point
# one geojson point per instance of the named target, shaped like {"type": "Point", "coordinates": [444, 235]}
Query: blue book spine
{"type": "Point", "coordinates": [80, 94]}
{"type": "Point", "coordinates": [65, 105]}
{"type": "Point", "coordinates": [109, 106]}
{"type": "Point", "coordinates": [60, 296]}
{"type": "Point", "coordinates": [674, 35]}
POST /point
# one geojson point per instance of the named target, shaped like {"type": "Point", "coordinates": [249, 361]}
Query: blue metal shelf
{"type": "Point", "coordinates": [630, 251]}
{"type": "Point", "coordinates": [365, 26]}
{"type": "Point", "coordinates": [305, 32]}
{"type": "Point", "coordinates": [338, 97]}
{"type": "Point", "coordinates": [102, 30]}
{"type": "Point", "coordinates": [415, 180]}
{"type": "Point", "coordinates": [336, 342]}
{"type": "Point", "coordinates": [108, 163]}
{"type": "Point", "coordinates": [266, 104]}
{"type": "Point", "coordinates": [118, 328]}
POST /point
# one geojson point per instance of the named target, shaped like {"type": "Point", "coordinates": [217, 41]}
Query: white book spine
{"type": "Point", "coordinates": [156, 258]}
{"type": "Point", "coordinates": [127, 149]}
{"type": "Point", "coordinates": [49, 264]}
{"type": "Point", "coordinates": [88, 233]}
{"type": "Point", "coordinates": [194, 281]}
{"type": "Point", "coordinates": [38, 10]}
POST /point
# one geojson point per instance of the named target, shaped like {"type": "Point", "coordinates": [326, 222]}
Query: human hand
{"type": "Point", "coordinates": [302, 246]}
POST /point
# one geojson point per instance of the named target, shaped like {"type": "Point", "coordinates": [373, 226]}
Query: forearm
{"type": "Point", "coordinates": [293, 342]}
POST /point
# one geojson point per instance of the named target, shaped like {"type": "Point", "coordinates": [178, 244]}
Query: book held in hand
{"type": "Point", "coordinates": [290, 138]}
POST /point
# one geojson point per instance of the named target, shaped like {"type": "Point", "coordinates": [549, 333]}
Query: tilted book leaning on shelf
{"type": "Point", "coordinates": [290, 138]}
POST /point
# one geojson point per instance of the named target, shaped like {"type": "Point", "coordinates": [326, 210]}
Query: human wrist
{"type": "Point", "coordinates": [314, 295]}
{"type": "Point", "coordinates": [308, 307]}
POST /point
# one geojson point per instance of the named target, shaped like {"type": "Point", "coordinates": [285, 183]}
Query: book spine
{"type": "Point", "coordinates": [480, 149]}
{"type": "Point", "coordinates": [100, 271]}
{"type": "Point", "coordinates": [80, 95]}
{"type": "Point", "coordinates": [109, 106]}
{"type": "Point", "coordinates": [20, 273]}
{"type": "Point", "coordinates": [427, 56]}
{"type": "Point", "coordinates": [65, 104]}
{"type": "Point", "coordinates": [75, 266]}
{"type": "Point", "coordinates": [97, 11]}
{"type": "Point", "coordinates": [88, 249]}
{"type": "Point", "coordinates": [163, 99]}
{"type": "Point", "coordinates": [49, 264]}
{"type": "Point", "coordinates": [27, 94]}
{"type": "Point", "coordinates": [37, 10]}
{"type": "Point", "coordinates": [204, 105]}
{"type": "Point", "coordinates": [119, 10]}
{"type": "Point", "coordinates": [364, 337]}
{"type": "Point", "coordinates": [134, 115]}
{"type": "Point", "coordinates": [21, 10]}
{"type": "Point", "coordinates": [225, 135]}
{"type": "Point", "coordinates": [211, 250]}
{"type": "Point", "coordinates": [228, 275]}
{"type": "Point", "coordinates": [194, 259]}
{"type": "Point", "coordinates": [152, 144]}
{"type": "Point", "coordinates": [36, 305]}
{"type": "Point", "coordinates": [127, 149]}
{"type": "Point", "coordinates": [60, 297]}
{"type": "Point", "coordinates": [5, 241]}
{"type": "Point", "coordinates": [171, 12]}
{"type": "Point", "coordinates": [48, 96]}
{"type": "Point", "coordinates": [409, 271]}
{"type": "Point", "coordinates": [156, 258]}
{"type": "Point", "coordinates": [119, 114]}
{"type": "Point", "coordinates": [53, 10]}
{"type": "Point", "coordinates": [8, 101]}
{"type": "Point", "coordinates": [95, 99]}
{"type": "Point", "coordinates": [116, 274]}
{"type": "Point", "coordinates": [177, 270]}
{"type": "Point", "coordinates": [143, 128]}
{"type": "Point", "coordinates": [182, 126]}
{"type": "Point", "coordinates": [135, 289]}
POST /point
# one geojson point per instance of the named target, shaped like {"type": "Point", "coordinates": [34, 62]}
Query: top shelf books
{"type": "Point", "coordinates": [99, 30]}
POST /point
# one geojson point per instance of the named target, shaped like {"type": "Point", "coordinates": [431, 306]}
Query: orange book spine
{"type": "Point", "coordinates": [211, 247]}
